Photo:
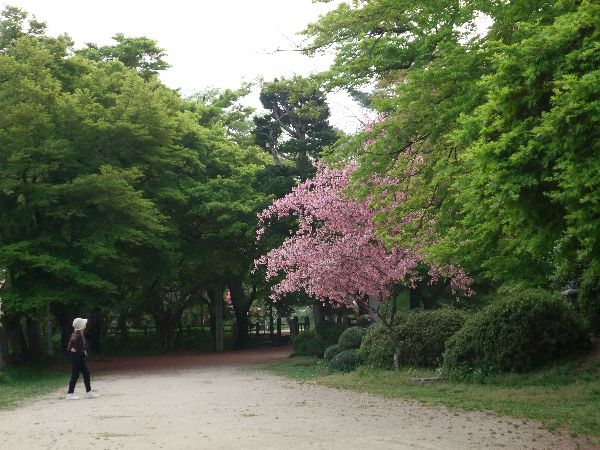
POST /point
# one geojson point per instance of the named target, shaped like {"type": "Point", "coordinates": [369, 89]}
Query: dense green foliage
{"type": "Point", "coordinates": [517, 333]}
{"type": "Point", "coordinates": [118, 197]}
{"type": "Point", "coordinates": [308, 344]}
{"type": "Point", "coordinates": [493, 133]}
{"type": "Point", "coordinates": [297, 109]}
{"type": "Point", "coordinates": [351, 338]}
{"type": "Point", "coordinates": [376, 348]}
{"type": "Point", "coordinates": [345, 361]}
{"type": "Point", "coordinates": [124, 201]}
{"type": "Point", "coordinates": [421, 336]}
{"type": "Point", "coordinates": [331, 352]}
{"type": "Point", "coordinates": [313, 343]}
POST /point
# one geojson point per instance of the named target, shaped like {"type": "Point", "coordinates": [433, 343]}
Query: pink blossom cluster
{"type": "Point", "coordinates": [334, 254]}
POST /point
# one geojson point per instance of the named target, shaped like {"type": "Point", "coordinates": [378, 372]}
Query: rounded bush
{"type": "Point", "coordinates": [351, 338]}
{"type": "Point", "coordinates": [332, 351]}
{"type": "Point", "coordinates": [345, 361]}
{"type": "Point", "coordinates": [421, 336]}
{"type": "Point", "coordinates": [515, 334]}
{"type": "Point", "coordinates": [307, 344]}
{"type": "Point", "coordinates": [376, 348]}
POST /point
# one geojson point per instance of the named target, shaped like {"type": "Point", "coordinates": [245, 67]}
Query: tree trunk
{"type": "Point", "coordinates": [49, 332]}
{"type": "Point", "coordinates": [319, 312]}
{"type": "Point", "coordinates": [274, 154]}
{"type": "Point", "coordinates": [202, 317]}
{"type": "Point", "coordinates": [64, 319]}
{"type": "Point", "coordinates": [241, 305]}
{"type": "Point", "coordinates": [303, 165]}
{"type": "Point", "coordinates": [94, 330]}
{"type": "Point", "coordinates": [271, 320]}
{"type": "Point", "coordinates": [397, 357]}
{"type": "Point", "coordinates": [3, 346]}
{"type": "Point", "coordinates": [241, 330]}
{"type": "Point", "coordinates": [34, 341]}
{"type": "Point", "coordinates": [16, 338]}
{"type": "Point", "coordinates": [218, 312]}
{"type": "Point", "coordinates": [122, 326]}
{"type": "Point", "coordinates": [166, 324]}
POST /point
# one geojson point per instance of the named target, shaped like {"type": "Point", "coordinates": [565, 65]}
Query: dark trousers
{"type": "Point", "coordinates": [78, 364]}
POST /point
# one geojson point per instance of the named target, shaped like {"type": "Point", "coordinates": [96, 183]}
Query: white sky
{"type": "Point", "coordinates": [209, 43]}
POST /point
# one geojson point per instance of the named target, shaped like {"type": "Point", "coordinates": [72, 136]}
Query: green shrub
{"type": "Point", "coordinates": [421, 336]}
{"type": "Point", "coordinates": [345, 361]}
{"type": "Point", "coordinates": [376, 348]}
{"type": "Point", "coordinates": [307, 344]}
{"type": "Point", "coordinates": [589, 297]}
{"type": "Point", "coordinates": [515, 334]}
{"type": "Point", "coordinates": [332, 351]}
{"type": "Point", "coordinates": [351, 338]}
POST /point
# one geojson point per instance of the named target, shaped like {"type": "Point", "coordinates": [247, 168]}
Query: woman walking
{"type": "Point", "coordinates": [77, 354]}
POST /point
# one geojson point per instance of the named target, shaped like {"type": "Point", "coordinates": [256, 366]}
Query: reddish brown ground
{"type": "Point", "coordinates": [158, 363]}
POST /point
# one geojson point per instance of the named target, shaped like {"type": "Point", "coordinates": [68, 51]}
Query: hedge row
{"type": "Point", "coordinates": [518, 332]}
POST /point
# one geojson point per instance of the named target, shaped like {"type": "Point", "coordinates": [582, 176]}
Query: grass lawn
{"type": "Point", "coordinates": [20, 384]}
{"type": "Point", "coordinates": [565, 396]}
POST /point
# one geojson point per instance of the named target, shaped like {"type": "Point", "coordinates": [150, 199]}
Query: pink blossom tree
{"type": "Point", "coordinates": [334, 254]}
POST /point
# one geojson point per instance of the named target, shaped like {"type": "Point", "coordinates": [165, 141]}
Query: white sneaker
{"type": "Point", "coordinates": [72, 397]}
{"type": "Point", "coordinates": [92, 394]}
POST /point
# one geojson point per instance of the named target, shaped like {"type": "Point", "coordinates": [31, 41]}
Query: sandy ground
{"type": "Point", "coordinates": [215, 405]}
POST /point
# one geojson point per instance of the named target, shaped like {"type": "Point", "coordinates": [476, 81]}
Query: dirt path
{"type": "Point", "coordinates": [204, 402]}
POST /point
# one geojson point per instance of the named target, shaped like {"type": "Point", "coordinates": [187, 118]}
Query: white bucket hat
{"type": "Point", "coordinates": [79, 323]}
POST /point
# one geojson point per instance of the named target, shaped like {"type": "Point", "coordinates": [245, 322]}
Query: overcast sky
{"type": "Point", "coordinates": [210, 43]}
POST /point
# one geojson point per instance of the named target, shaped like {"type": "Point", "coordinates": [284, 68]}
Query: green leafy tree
{"type": "Point", "coordinates": [14, 24]}
{"type": "Point", "coordinates": [139, 53]}
{"type": "Point", "coordinates": [470, 125]}
{"type": "Point", "coordinates": [298, 107]}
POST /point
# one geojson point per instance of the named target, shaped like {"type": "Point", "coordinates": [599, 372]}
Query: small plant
{"type": "Point", "coordinates": [345, 361]}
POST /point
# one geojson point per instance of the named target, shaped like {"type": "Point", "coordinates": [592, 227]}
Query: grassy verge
{"type": "Point", "coordinates": [20, 384]}
{"type": "Point", "coordinates": [565, 396]}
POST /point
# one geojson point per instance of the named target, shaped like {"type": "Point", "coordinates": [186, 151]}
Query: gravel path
{"type": "Point", "coordinates": [222, 406]}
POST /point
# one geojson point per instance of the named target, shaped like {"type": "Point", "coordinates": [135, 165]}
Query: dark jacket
{"type": "Point", "coordinates": [76, 341]}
